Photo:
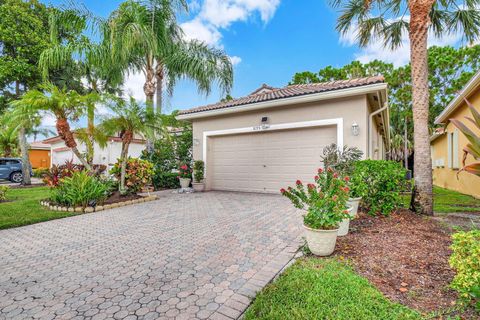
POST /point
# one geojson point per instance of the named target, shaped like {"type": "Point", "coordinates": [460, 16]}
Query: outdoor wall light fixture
{"type": "Point", "coordinates": [265, 124]}
{"type": "Point", "coordinates": [355, 129]}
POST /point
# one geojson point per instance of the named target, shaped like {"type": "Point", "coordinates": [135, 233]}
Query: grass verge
{"type": "Point", "coordinates": [23, 207]}
{"type": "Point", "coordinates": [448, 201]}
{"type": "Point", "coordinates": [324, 289]}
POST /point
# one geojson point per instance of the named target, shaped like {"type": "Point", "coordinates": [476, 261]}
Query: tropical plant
{"type": "Point", "coordinates": [389, 20]}
{"type": "Point", "coordinates": [53, 176]}
{"type": "Point", "coordinates": [80, 189]}
{"type": "Point", "coordinates": [138, 174]}
{"type": "Point", "coordinates": [40, 172]}
{"type": "Point", "coordinates": [64, 105]}
{"type": "Point", "coordinates": [130, 120]}
{"type": "Point", "coordinates": [380, 183]}
{"type": "Point", "coordinates": [8, 139]}
{"type": "Point", "coordinates": [165, 180]}
{"type": "Point", "coordinates": [466, 262]}
{"type": "Point", "coordinates": [3, 193]}
{"type": "Point", "coordinates": [198, 170]}
{"type": "Point", "coordinates": [147, 37]}
{"type": "Point", "coordinates": [341, 161]}
{"type": "Point", "coordinates": [473, 147]}
{"type": "Point", "coordinates": [92, 59]}
{"type": "Point", "coordinates": [184, 171]}
{"type": "Point", "coordinates": [325, 201]}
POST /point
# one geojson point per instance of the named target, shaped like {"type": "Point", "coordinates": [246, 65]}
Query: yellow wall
{"type": "Point", "coordinates": [446, 177]}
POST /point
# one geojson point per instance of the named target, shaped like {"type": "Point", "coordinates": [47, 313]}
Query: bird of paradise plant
{"type": "Point", "coordinates": [473, 147]}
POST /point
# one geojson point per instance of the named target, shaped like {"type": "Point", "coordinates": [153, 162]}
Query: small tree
{"type": "Point", "coordinates": [342, 161]}
{"type": "Point", "coordinates": [198, 170]}
{"type": "Point", "coordinates": [129, 119]}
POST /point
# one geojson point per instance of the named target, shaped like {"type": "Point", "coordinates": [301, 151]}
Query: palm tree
{"type": "Point", "coordinates": [93, 59]}
{"type": "Point", "coordinates": [130, 120]}
{"type": "Point", "coordinates": [149, 39]}
{"type": "Point", "coordinates": [388, 20]}
{"type": "Point", "coordinates": [64, 105]}
{"type": "Point", "coordinates": [8, 139]}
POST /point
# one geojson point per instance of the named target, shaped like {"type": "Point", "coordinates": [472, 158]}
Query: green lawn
{"type": "Point", "coordinates": [23, 207]}
{"type": "Point", "coordinates": [324, 289]}
{"type": "Point", "coordinates": [446, 201]}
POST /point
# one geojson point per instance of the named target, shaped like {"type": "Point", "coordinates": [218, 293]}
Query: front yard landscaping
{"type": "Point", "coordinates": [316, 288]}
{"type": "Point", "coordinates": [23, 207]}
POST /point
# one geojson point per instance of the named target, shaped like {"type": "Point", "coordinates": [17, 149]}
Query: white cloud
{"type": "Point", "coordinates": [215, 15]}
{"type": "Point", "coordinates": [399, 56]}
{"type": "Point", "coordinates": [133, 86]}
{"type": "Point", "coordinates": [196, 29]}
{"type": "Point", "coordinates": [235, 60]}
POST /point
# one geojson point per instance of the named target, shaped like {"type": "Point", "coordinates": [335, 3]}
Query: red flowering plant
{"type": "Point", "coordinates": [324, 201]}
{"type": "Point", "coordinates": [184, 171]}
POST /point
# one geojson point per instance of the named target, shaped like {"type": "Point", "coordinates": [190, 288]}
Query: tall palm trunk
{"type": "Point", "coordinates": [149, 86]}
{"type": "Point", "coordinates": [126, 140]}
{"type": "Point", "coordinates": [22, 140]}
{"type": "Point", "coordinates": [90, 129]}
{"type": "Point", "coordinates": [159, 73]}
{"type": "Point", "coordinates": [419, 21]}
{"type": "Point", "coordinates": [63, 129]}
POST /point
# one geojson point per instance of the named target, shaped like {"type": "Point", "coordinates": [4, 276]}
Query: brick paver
{"type": "Point", "coordinates": [184, 256]}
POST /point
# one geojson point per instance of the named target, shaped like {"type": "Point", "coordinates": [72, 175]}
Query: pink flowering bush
{"type": "Point", "coordinates": [185, 172]}
{"type": "Point", "coordinates": [324, 201]}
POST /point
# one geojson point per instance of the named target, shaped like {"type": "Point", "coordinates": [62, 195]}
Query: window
{"type": "Point", "coordinates": [453, 161]}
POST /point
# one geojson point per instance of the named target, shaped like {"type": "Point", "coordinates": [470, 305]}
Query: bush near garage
{"type": "Point", "coordinates": [383, 181]}
{"type": "Point", "coordinates": [466, 262]}
{"type": "Point", "coordinates": [138, 174]}
{"type": "Point", "coordinates": [40, 172]}
{"type": "Point", "coordinates": [165, 180]}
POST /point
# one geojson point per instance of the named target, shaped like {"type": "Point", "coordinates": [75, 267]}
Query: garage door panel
{"type": "Point", "coordinates": [266, 161]}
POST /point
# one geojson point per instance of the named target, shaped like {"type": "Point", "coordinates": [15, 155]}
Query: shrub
{"type": "Point", "coordinates": [383, 180]}
{"type": "Point", "coordinates": [341, 161]}
{"type": "Point", "coordinates": [58, 172]}
{"type": "Point", "coordinates": [3, 193]}
{"type": "Point", "coordinates": [184, 171]}
{"type": "Point", "coordinates": [325, 200]}
{"type": "Point", "coordinates": [198, 170]}
{"type": "Point", "coordinates": [138, 174]}
{"type": "Point", "coordinates": [466, 261]}
{"type": "Point", "coordinates": [80, 189]}
{"type": "Point", "coordinates": [40, 172]}
{"type": "Point", "coordinates": [166, 180]}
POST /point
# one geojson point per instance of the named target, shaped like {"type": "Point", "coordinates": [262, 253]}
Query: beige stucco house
{"type": "Point", "coordinates": [274, 136]}
{"type": "Point", "coordinates": [447, 143]}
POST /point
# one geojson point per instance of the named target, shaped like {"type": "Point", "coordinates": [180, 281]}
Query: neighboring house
{"type": "Point", "coordinates": [447, 143]}
{"type": "Point", "coordinates": [274, 136]}
{"type": "Point", "coordinates": [107, 156]}
{"type": "Point", "coordinates": [39, 154]}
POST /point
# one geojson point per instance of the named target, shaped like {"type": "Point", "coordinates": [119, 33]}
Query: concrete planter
{"type": "Point", "coordinates": [321, 242]}
{"type": "Point", "coordinates": [198, 186]}
{"type": "Point", "coordinates": [345, 224]}
{"type": "Point", "coordinates": [354, 203]}
{"type": "Point", "coordinates": [185, 183]}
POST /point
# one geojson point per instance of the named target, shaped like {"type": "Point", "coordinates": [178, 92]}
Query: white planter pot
{"type": "Point", "coordinates": [354, 202]}
{"type": "Point", "coordinates": [198, 186]}
{"type": "Point", "coordinates": [321, 242]}
{"type": "Point", "coordinates": [345, 224]}
{"type": "Point", "coordinates": [185, 183]}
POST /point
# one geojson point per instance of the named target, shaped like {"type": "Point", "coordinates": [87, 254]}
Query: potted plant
{"type": "Point", "coordinates": [325, 204]}
{"type": "Point", "coordinates": [357, 187]}
{"type": "Point", "coordinates": [185, 176]}
{"type": "Point", "coordinates": [198, 175]}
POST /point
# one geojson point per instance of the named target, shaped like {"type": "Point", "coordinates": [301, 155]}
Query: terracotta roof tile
{"type": "Point", "coordinates": [267, 93]}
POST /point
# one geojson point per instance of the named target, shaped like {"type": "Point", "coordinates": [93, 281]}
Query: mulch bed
{"type": "Point", "coordinates": [117, 197]}
{"type": "Point", "coordinates": [405, 256]}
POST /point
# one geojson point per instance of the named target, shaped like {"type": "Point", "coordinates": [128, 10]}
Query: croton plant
{"type": "Point", "coordinates": [325, 200]}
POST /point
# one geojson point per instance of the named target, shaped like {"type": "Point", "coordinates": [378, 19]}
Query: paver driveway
{"type": "Point", "coordinates": [183, 256]}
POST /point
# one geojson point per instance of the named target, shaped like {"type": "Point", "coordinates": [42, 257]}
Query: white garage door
{"type": "Point", "coordinates": [267, 161]}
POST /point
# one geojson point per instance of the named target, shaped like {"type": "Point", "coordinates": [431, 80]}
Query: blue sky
{"type": "Point", "coordinates": [269, 40]}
